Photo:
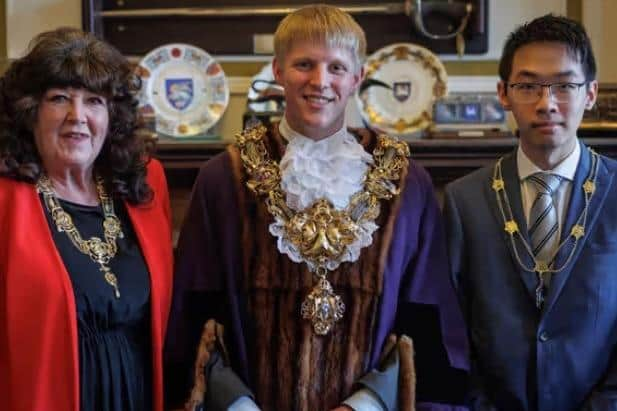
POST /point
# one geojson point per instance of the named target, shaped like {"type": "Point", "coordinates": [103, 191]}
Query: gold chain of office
{"type": "Point", "coordinates": [100, 251]}
{"type": "Point", "coordinates": [543, 267]}
{"type": "Point", "coordinates": [321, 233]}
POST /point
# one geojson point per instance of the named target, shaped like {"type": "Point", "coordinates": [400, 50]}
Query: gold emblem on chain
{"type": "Point", "coordinates": [541, 267]}
{"type": "Point", "coordinates": [100, 251]}
{"type": "Point", "coordinates": [322, 234]}
{"type": "Point", "coordinates": [511, 227]}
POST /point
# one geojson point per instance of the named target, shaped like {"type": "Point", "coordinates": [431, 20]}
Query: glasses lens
{"type": "Point", "coordinates": [564, 92]}
{"type": "Point", "coordinates": [526, 92]}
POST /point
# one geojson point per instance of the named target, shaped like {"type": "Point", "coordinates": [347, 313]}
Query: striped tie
{"type": "Point", "coordinates": [543, 224]}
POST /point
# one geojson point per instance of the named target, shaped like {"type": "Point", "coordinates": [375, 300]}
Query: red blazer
{"type": "Point", "coordinates": [39, 367]}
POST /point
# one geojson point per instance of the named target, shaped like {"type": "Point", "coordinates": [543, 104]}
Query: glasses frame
{"type": "Point", "coordinates": [541, 91]}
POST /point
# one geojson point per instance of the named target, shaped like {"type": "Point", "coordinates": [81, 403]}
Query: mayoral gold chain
{"type": "Point", "coordinates": [320, 233]}
{"type": "Point", "coordinates": [544, 267]}
{"type": "Point", "coordinates": [99, 250]}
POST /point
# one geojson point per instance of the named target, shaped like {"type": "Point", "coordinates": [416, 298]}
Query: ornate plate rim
{"type": "Point", "coordinates": [145, 99]}
{"type": "Point", "coordinates": [403, 127]}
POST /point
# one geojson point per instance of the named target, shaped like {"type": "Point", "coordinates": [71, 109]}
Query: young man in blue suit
{"type": "Point", "coordinates": [533, 238]}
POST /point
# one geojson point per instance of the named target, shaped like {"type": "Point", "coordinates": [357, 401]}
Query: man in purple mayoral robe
{"type": "Point", "coordinates": [315, 256]}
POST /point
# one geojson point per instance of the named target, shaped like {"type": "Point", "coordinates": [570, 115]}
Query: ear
{"type": "Point", "coordinates": [277, 70]}
{"type": "Point", "coordinates": [591, 94]}
{"type": "Point", "coordinates": [502, 93]}
{"type": "Point", "coordinates": [358, 78]}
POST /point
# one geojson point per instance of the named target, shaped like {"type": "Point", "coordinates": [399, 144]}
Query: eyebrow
{"type": "Point", "coordinates": [301, 57]}
{"type": "Point", "coordinates": [534, 75]}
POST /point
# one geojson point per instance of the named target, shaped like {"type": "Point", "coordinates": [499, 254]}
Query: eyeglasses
{"type": "Point", "coordinates": [526, 93]}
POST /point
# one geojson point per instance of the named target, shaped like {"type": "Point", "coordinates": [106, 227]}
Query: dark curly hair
{"type": "Point", "coordinates": [68, 57]}
{"type": "Point", "coordinates": [550, 28]}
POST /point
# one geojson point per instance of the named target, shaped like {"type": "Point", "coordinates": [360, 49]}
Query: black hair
{"type": "Point", "coordinates": [550, 28]}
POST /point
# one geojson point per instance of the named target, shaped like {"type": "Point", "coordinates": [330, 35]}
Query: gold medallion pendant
{"type": "Point", "coordinates": [111, 280]}
{"type": "Point", "coordinates": [321, 234]}
{"type": "Point", "coordinates": [100, 251]}
{"type": "Point", "coordinates": [322, 307]}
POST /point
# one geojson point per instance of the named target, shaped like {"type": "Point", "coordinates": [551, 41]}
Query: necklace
{"type": "Point", "coordinates": [543, 267]}
{"type": "Point", "coordinates": [100, 251]}
{"type": "Point", "coordinates": [320, 233]}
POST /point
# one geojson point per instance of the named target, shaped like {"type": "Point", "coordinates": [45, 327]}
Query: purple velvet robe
{"type": "Point", "coordinates": [417, 299]}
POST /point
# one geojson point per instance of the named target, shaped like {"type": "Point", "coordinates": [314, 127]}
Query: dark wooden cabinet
{"type": "Point", "coordinates": [226, 27]}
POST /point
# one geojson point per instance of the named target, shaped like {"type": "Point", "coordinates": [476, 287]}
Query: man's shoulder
{"type": "Point", "coordinates": [471, 182]}
{"type": "Point", "coordinates": [609, 163]}
{"type": "Point", "coordinates": [369, 138]}
{"type": "Point", "coordinates": [362, 132]}
{"type": "Point", "coordinates": [418, 176]}
{"type": "Point", "coordinates": [216, 169]}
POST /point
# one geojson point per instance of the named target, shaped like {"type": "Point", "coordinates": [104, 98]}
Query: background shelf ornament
{"type": "Point", "coordinates": [184, 90]}
{"type": "Point", "coordinates": [402, 83]}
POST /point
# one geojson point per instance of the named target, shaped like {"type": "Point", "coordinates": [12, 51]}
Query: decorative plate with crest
{"type": "Point", "coordinates": [183, 88]}
{"type": "Point", "coordinates": [402, 82]}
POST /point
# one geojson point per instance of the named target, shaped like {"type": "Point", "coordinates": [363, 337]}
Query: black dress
{"type": "Point", "coordinates": [115, 361]}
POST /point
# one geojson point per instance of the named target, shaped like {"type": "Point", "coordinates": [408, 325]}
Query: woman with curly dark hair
{"type": "Point", "coordinates": [85, 256]}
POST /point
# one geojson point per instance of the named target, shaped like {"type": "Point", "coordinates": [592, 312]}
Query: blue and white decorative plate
{"type": "Point", "coordinates": [184, 88]}
{"type": "Point", "coordinates": [402, 83]}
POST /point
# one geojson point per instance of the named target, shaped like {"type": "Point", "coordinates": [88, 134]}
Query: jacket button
{"type": "Point", "coordinates": [543, 336]}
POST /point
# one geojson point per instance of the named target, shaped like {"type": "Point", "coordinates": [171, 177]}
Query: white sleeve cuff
{"type": "Point", "coordinates": [243, 404]}
{"type": "Point", "coordinates": [364, 400]}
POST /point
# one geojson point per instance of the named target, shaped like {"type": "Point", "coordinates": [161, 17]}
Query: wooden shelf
{"type": "Point", "coordinates": [445, 159]}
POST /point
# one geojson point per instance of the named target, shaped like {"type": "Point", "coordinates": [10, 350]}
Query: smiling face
{"type": "Point", "coordinates": [547, 126]}
{"type": "Point", "coordinates": [70, 129]}
{"type": "Point", "coordinates": [318, 81]}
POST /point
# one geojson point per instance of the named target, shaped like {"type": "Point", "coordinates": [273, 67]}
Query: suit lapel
{"type": "Point", "coordinates": [576, 206]}
{"type": "Point", "coordinates": [513, 190]}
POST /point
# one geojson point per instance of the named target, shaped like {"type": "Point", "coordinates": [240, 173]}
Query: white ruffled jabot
{"type": "Point", "coordinates": [332, 168]}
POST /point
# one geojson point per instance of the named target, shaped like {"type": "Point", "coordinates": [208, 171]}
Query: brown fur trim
{"type": "Point", "coordinates": [276, 144]}
{"type": "Point", "coordinates": [407, 375]}
{"type": "Point", "coordinates": [388, 346]}
{"type": "Point", "coordinates": [207, 344]}
{"type": "Point", "coordinates": [365, 137]}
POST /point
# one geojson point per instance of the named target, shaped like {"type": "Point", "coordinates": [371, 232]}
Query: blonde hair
{"type": "Point", "coordinates": [320, 24]}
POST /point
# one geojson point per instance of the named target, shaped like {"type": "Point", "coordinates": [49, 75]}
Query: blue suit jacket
{"type": "Point", "coordinates": [563, 357]}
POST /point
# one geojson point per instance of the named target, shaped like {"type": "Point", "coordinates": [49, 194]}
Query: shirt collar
{"type": "Point", "coordinates": [290, 134]}
{"type": "Point", "coordinates": [566, 169]}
